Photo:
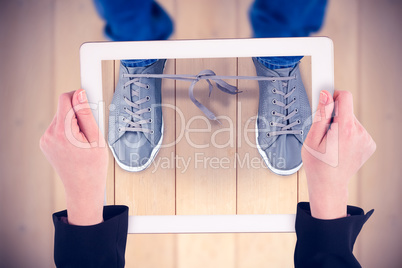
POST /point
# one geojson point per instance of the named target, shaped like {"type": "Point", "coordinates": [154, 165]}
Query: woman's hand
{"type": "Point", "coordinates": [77, 150]}
{"type": "Point", "coordinates": [331, 156]}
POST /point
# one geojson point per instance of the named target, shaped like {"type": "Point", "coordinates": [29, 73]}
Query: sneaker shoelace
{"type": "Point", "coordinates": [208, 76]}
{"type": "Point", "coordinates": [133, 124]}
{"type": "Point", "coordinates": [285, 128]}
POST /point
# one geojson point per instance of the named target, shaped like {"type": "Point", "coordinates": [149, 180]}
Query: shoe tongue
{"type": "Point", "coordinates": [135, 70]}
{"type": "Point", "coordinates": [284, 71]}
{"type": "Point", "coordinates": [133, 137]}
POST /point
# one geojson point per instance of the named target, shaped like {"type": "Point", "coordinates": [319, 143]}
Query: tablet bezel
{"type": "Point", "coordinates": [320, 49]}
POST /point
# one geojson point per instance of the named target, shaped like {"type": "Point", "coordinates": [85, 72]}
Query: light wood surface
{"type": "Point", "coordinates": [108, 82]}
{"type": "Point", "coordinates": [151, 192]}
{"type": "Point", "coordinates": [39, 59]}
{"type": "Point", "coordinates": [26, 109]}
{"type": "Point", "coordinates": [380, 179]}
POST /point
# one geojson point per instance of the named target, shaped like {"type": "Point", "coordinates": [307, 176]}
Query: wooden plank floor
{"type": "Point", "coordinates": [39, 60]}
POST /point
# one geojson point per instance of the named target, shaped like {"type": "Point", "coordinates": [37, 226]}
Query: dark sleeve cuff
{"type": "Point", "coordinates": [100, 245]}
{"type": "Point", "coordinates": [327, 243]}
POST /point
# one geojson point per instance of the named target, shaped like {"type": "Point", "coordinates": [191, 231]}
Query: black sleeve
{"type": "Point", "coordinates": [100, 245]}
{"type": "Point", "coordinates": [327, 243]}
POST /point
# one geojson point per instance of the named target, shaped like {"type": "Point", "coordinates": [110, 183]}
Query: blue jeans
{"type": "Point", "coordinates": [136, 20]}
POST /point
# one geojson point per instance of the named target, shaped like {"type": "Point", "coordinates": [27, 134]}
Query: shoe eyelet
{"type": "Point", "coordinates": [294, 98]}
{"type": "Point", "coordinates": [148, 98]}
{"type": "Point", "coordinates": [268, 135]}
{"type": "Point", "coordinates": [150, 120]}
{"type": "Point", "coordinates": [296, 110]}
{"type": "Point", "coordinates": [273, 81]}
{"type": "Point", "coordinates": [301, 132]}
{"type": "Point", "coordinates": [149, 109]}
{"type": "Point", "coordinates": [152, 132]}
{"type": "Point", "coordinates": [274, 101]}
{"type": "Point", "coordinates": [119, 129]}
{"type": "Point", "coordinates": [298, 121]}
{"type": "Point", "coordinates": [147, 87]}
{"type": "Point", "coordinates": [271, 124]}
{"type": "Point", "coordinates": [273, 113]}
{"type": "Point", "coordinates": [274, 90]}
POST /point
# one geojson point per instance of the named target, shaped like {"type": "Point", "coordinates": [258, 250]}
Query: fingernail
{"type": "Point", "coordinates": [82, 97]}
{"type": "Point", "coordinates": [323, 98]}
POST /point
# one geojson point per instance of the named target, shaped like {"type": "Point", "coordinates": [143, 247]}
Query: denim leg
{"type": "Point", "coordinates": [284, 18]}
{"type": "Point", "coordinates": [137, 63]}
{"type": "Point", "coordinates": [279, 62]}
{"type": "Point", "coordinates": [134, 20]}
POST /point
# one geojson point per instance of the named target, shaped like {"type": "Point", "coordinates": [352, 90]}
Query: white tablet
{"type": "Point", "coordinates": [318, 49]}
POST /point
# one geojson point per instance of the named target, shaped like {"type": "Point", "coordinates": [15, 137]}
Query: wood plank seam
{"type": "Point", "coordinates": [237, 127]}
{"type": "Point", "coordinates": [175, 144]}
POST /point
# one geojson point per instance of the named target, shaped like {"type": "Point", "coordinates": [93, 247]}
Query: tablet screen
{"type": "Point", "coordinates": [197, 118]}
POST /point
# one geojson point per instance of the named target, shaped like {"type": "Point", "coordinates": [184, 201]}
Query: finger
{"type": "Point", "coordinates": [63, 108]}
{"type": "Point", "coordinates": [367, 139]}
{"type": "Point", "coordinates": [358, 124]}
{"type": "Point", "coordinates": [322, 118]}
{"type": "Point", "coordinates": [86, 120]}
{"type": "Point", "coordinates": [52, 125]}
{"type": "Point", "coordinates": [54, 121]}
{"type": "Point", "coordinates": [48, 133]}
{"type": "Point", "coordinates": [75, 129]}
{"type": "Point", "coordinates": [344, 108]}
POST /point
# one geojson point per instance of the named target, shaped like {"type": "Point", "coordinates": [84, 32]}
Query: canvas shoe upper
{"type": "Point", "coordinates": [135, 117]}
{"type": "Point", "coordinates": [283, 118]}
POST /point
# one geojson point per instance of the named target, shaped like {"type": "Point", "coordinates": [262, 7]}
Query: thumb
{"type": "Point", "coordinates": [322, 118]}
{"type": "Point", "coordinates": [85, 118]}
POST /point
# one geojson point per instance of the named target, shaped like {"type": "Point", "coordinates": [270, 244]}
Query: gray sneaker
{"type": "Point", "coordinates": [135, 118]}
{"type": "Point", "coordinates": [283, 119]}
